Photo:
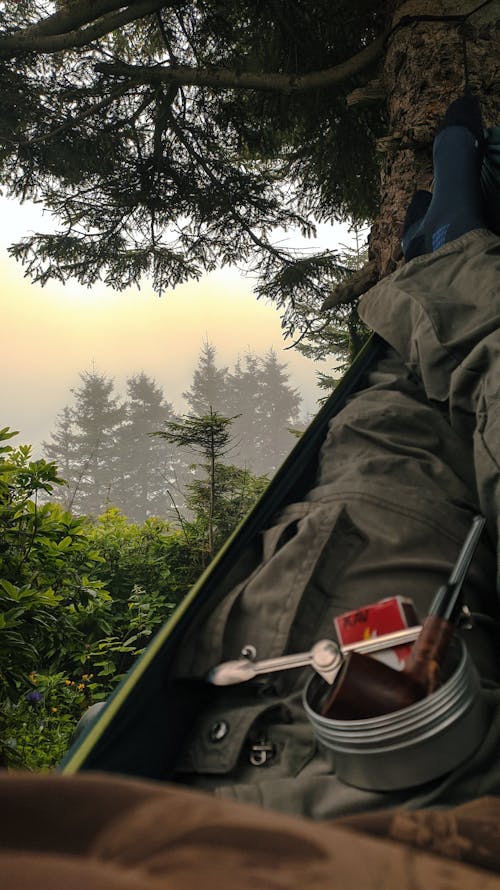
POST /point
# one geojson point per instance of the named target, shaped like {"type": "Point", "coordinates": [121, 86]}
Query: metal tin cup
{"type": "Point", "coordinates": [411, 746]}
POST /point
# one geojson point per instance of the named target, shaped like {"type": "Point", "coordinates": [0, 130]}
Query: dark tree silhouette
{"type": "Point", "coordinates": [210, 437]}
{"type": "Point", "coordinates": [86, 441]}
{"type": "Point", "coordinates": [146, 469]}
{"type": "Point", "coordinates": [62, 449]}
{"type": "Point", "coordinates": [269, 406]}
{"type": "Point", "coordinates": [340, 333]}
{"type": "Point", "coordinates": [209, 387]}
{"type": "Point", "coordinates": [278, 410]}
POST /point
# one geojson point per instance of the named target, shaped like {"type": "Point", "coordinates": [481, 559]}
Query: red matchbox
{"type": "Point", "coordinates": [376, 619]}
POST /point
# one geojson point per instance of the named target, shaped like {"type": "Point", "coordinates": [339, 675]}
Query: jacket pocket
{"type": "Point", "coordinates": [219, 736]}
{"type": "Point", "coordinates": [265, 610]}
{"type": "Point", "coordinates": [249, 743]}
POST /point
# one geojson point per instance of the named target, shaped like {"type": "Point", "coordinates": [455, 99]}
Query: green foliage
{"type": "Point", "coordinates": [208, 436]}
{"type": "Point", "coordinates": [80, 600]}
{"type": "Point", "coordinates": [235, 492]}
{"type": "Point", "coordinates": [49, 605]}
{"type": "Point", "coordinates": [151, 556]}
{"type": "Point", "coordinates": [44, 597]}
{"type": "Point", "coordinates": [37, 728]}
{"type": "Point", "coordinates": [338, 333]}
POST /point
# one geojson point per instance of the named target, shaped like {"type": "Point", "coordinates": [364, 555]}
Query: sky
{"type": "Point", "coordinates": [52, 334]}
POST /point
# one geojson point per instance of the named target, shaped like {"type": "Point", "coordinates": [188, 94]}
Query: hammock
{"type": "Point", "coordinates": [141, 729]}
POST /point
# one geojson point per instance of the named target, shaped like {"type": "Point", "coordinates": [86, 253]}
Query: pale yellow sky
{"type": "Point", "coordinates": [51, 334]}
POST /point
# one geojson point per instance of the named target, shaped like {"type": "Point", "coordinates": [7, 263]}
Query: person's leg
{"type": "Point", "coordinates": [456, 205]}
{"type": "Point", "coordinates": [441, 312]}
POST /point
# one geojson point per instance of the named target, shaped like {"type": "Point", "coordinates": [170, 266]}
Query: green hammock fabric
{"type": "Point", "coordinates": [490, 178]}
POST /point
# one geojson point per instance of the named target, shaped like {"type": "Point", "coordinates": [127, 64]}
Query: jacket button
{"type": "Point", "coordinates": [218, 731]}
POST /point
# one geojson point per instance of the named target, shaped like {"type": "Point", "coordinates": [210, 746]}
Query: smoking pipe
{"type": "Point", "coordinates": [367, 688]}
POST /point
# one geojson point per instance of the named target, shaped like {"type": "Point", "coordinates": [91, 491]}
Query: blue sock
{"type": "Point", "coordinates": [457, 204]}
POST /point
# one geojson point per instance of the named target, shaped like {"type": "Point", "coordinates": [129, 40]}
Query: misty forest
{"type": "Point", "coordinates": [123, 452]}
{"type": "Point", "coordinates": [168, 139]}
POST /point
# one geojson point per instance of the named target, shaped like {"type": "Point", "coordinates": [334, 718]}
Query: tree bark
{"type": "Point", "coordinates": [371, 92]}
{"type": "Point", "coordinates": [423, 73]}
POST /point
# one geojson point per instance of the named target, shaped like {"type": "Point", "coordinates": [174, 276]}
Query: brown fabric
{"type": "Point", "coordinates": [470, 833]}
{"type": "Point", "coordinates": [83, 832]}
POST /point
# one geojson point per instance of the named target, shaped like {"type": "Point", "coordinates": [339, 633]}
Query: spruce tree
{"type": "Point", "coordinates": [210, 437]}
{"type": "Point", "coordinates": [97, 416]}
{"type": "Point", "coordinates": [145, 468]}
{"type": "Point", "coordinates": [244, 398]}
{"type": "Point", "coordinates": [62, 450]}
{"type": "Point", "coordinates": [209, 387]}
{"type": "Point", "coordinates": [268, 406]}
{"type": "Point", "coordinates": [278, 409]}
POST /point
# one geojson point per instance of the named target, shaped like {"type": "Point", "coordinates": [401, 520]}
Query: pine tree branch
{"type": "Point", "coordinates": [350, 290]}
{"type": "Point", "coordinates": [89, 112]}
{"type": "Point", "coordinates": [226, 78]}
{"type": "Point", "coordinates": [31, 40]}
{"type": "Point", "coordinates": [69, 19]}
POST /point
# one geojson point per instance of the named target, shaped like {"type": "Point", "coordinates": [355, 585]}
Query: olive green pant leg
{"type": "Point", "coordinates": [441, 313]}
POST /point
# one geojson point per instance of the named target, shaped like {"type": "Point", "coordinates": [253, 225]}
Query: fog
{"type": "Point", "coordinates": [54, 333]}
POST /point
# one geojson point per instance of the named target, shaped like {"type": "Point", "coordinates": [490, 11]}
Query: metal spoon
{"type": "Point", "coordinates": [325, 657]}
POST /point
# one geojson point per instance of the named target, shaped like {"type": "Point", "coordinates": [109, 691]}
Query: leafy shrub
{"type": "Point", "coordinates": [39, 726]}
{"type": "Point", "coordinates": [80, 600]}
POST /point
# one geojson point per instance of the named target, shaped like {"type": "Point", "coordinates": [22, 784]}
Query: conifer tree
{"type": "Point", "coordinates": [268, 405]}
{"type": "Point", "coordinates": [278, 409]}
{"type": "Point", "coordinates": [210, 437]}
{"type": "Point", "coordinates": [62, 450]}
{"type": "Point", "coordinates": [145, 468]}
{"type": "Point", "coordinates": [91, 427]}
{"type": "Point", "coordinates": [244, 397]}
{"type": "Point", "coordinates": [209, 387]}
{"type": "Point", "coordinates": [339, 335]}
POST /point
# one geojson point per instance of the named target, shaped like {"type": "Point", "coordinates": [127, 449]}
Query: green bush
{"type": "Point", "coordinates": [38, 727]}
{"type": "Point", "coordinates": [79, 601]}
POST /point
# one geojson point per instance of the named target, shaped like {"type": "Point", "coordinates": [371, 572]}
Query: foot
{"type": "Point", "coordinates": [457, 205]}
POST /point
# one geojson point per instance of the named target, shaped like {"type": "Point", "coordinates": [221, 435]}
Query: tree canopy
{"type": "Point", "coordinates": [169, 137]}
{"type": "Point", "coordinates": [172, 137]}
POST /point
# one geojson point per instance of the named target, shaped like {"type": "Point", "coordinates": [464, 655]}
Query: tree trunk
{"type": "Point", "coordinates": [423, 72]}
{"type": "Point", "coordinates": [211, 507]}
